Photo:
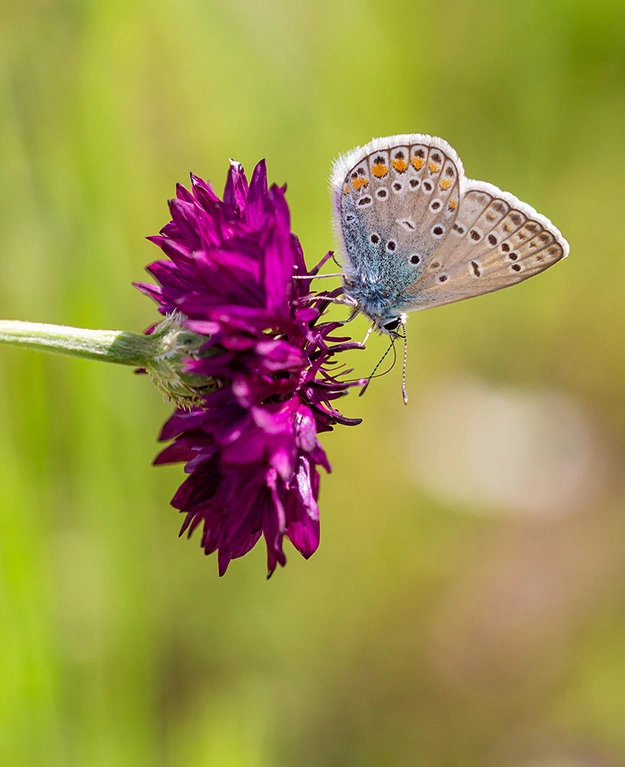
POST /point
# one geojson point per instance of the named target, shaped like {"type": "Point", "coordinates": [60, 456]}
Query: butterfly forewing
{"type": "Point", "coordinates": [395, 200]}
{"type": "Point", "coordinates": [496, 241]}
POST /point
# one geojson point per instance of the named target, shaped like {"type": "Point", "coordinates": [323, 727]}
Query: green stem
{"type": "Point", "coordinates": [164, 353]}
{"type": "Point", "coordinates": [115, 346]}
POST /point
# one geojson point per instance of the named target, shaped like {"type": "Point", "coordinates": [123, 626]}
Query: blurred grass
{"type": "Point", "coordinates": [119, 644]}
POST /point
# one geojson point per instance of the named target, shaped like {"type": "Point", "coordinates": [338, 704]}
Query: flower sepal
{"type": "Point", "coordinates": [170, 368]}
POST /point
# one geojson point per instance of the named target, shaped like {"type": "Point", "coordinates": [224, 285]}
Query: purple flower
{"type": "Point", "coordinates": [251, 449]}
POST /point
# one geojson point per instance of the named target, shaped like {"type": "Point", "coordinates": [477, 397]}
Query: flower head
{"type": "Point", "coordinates": [250, 446]}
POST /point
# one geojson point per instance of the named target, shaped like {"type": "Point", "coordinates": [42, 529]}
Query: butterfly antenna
{"type": "Point", "coordinates": [375, 369]}
{"type": "Point", "coordinates": [404, 392]}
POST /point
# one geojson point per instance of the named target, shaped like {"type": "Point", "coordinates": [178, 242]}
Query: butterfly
{"type": "Point", "coordinates": [414, 232]}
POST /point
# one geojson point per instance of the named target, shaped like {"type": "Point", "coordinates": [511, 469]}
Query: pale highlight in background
{"type": "Point", "coordinates": [506, 450]}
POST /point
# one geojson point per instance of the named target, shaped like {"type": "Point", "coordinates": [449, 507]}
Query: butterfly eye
{"type": "Point", "coordinates": [392, 324]}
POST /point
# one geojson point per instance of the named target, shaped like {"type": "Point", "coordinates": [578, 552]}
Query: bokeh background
{"type": "Point", "coordinates": [467, 604]}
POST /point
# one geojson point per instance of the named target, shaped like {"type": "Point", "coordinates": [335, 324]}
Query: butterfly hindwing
{"type": "Point", "coordinates": [496, 241]}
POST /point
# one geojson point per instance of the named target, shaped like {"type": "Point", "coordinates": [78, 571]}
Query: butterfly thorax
{"type": "Point", "coordinates": [378, 298]}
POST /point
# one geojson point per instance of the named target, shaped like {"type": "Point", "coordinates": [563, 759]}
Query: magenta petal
{"type": "Point", "coordinates": [204, 193]}
{"type": "Point", "coordinates": [279, 355]}
{"type": "Point", "coordinates": [274, 525]}
{"type": "Point", "coordinates": [304, 535]}
{"type": "Point", "coordinates": [306, 315]}
{"type": "Point", "coordinates": [306, 433]}
{"type": "Point", "coordinates": [276, 419]}
{"type": "Point", "coordinates": [282, 460]}
{"type": "Point", "coordinates": [278, 268]}
{"type": "Point", "coordinates": [184, 216]}
{"type": "Point", "coordinates": [245, 451]}
{"type": "Point", "coordinates": [153, 291]}
{"type": "Point", "coordinates": [235, 193]}
{"type": "Point", "coordinates": [306, 483]}
{"type": "Point", "coordinates": [258, 198]}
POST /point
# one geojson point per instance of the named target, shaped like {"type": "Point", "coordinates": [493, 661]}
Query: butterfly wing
{"type": "Point", "coordinates": [495, 241]}
{"type": "Point", "coordinates": [395, 199]}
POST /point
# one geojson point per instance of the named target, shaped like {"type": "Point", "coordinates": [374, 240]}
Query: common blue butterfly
{"type": "Point", "coordinates": [415, 232]}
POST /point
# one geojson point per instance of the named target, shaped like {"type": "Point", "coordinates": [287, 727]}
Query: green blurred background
{"type": "Point", "coordinates": [467, 603]}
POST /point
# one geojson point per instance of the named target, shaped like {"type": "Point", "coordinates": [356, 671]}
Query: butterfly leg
{"type": "Point", "coordinates": [342, 300]}
{"type": "Point", "coordinates": [316, 276]}
{"type": "Point", "coordinates": [368, 333]}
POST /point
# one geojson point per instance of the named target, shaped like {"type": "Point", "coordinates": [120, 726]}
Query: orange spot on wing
{"type": "Point", "coordinates": [453, 205]}
{"type": "Point", "coordinates": [433, 167]}
{"type": "Point", "coordinates": [400, 165]}
{"type": "Point", "coordinates": [379, 169]}
{"type": "Point", "coordinates": [417, 163]}
{"type": "Point", "coordinates": [445, 184]}
{"type": "Point", "coordinates": [346, 189]}
{"type": "Point", "coordinates": [360, 183]}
